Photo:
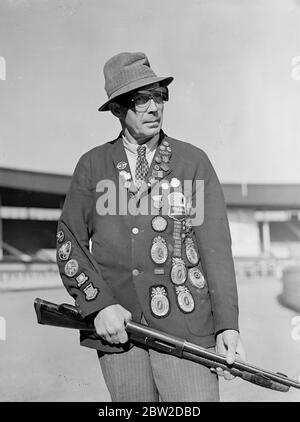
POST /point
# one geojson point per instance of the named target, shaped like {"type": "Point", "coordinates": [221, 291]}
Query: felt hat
{"type": "Point", "coordinates": [127, 72]}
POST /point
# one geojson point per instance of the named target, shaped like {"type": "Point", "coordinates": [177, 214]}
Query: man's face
{"type": "Point", "coordinates": [143, 121]}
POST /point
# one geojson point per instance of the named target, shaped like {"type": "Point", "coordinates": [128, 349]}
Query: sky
{"type": "Point", "coordinates": [236, 89]}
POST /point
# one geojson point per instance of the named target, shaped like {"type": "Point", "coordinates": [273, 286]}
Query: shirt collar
{"type": "Point", "coordinates": [150, 145]}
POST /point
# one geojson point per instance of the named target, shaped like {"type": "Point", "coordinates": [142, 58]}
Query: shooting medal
{"type": "Point", "coordinates": [90, 292]}
{"type": "Point", "coordinates": [159, 303]}
{"type": "Point", "coordinates": [121, 165]}
{"type": "Point", "coordinates": [190, 251]}
{"type": "Point", "coordinates": [157, 201]}
{"type": "Point", "coordinates": [178, 271]}
{"type": "Point", "coordinates": [81, 279]}
{"type": "Point", "coordinates": [185, 300]}
{"type": "Point", "coordinates": [196, 278]}
{"type": "Point", "coordinates": [60, 236]}
{"type": "Point", "coordinates": [159, 250]}
{"type": "Point", "coordinates": [71, 268]}
{"type": "Point", "coordinates": [159, 223]}
{"type": "Point", "coordinates": [64, 251]}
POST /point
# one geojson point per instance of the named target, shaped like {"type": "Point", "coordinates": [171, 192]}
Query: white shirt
{"type": "Point", "coordinates": [132, 154]}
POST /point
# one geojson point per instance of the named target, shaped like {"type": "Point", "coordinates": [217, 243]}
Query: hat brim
{"type": "Point", "coordinates": [133, 86]}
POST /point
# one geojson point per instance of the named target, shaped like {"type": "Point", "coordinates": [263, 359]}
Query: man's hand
{"type": "Point", "coordinates": [110, 324]}
{"type": "Point", "coordinates": [228, 343]}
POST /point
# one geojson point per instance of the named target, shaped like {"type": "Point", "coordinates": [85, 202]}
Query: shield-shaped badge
{"type": "Point", "coordinates": [90, 292]}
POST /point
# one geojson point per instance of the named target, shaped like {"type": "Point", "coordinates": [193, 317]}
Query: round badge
{"type": "Point", "coordinates": [159, 223]}
{"type": "Point", "coordinates": [185, 299]}
{"type": "Point", "coordinates": [159, 250]}
{"type": "Point", "coordinates": [156, 167]}
{"type": "Point", "coordinates": [64, 251]}
{"type": "Point", "coordinates": [162, 147]}
{"type": "Point", "coordinates": [178, 273]}
{"type": "Point", "coordinates": [166, 143]}
{"type": "Point", "coordinates": [196, 278]}
{"type": "Point", "coordinates": [71, 268]}
{"type": "Point", "coordinates": [175, 182]}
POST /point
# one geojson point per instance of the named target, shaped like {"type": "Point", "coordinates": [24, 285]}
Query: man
{"type": "Point", "coordinates": [144, 235]}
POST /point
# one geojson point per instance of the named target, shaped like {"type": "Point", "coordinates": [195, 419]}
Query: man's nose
{"type": "Point", "coordinates": [152, 106]}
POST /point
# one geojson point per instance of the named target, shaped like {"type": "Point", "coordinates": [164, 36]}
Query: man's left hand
{"type": "Point", "coordinates": [228, 343]}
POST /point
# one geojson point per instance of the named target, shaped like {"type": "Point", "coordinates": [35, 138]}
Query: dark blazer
{"type": "Point", "coordinates": [110, 259]}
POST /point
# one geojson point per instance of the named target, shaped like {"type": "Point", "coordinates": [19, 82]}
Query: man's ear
{"type": "Point", "coordinates": [115, 108]}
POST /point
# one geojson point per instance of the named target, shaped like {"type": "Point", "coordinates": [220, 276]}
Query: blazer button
{"type": "Point", "coordinates": [135, 230]}
{"type": "Point", "coordinates": [135, 272]}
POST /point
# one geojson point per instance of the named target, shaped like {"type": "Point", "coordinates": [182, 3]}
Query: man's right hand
{"type": "Point", "coordinates": [110, 324]}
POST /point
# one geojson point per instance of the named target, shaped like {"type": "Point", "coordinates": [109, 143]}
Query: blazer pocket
{"type": "Point", "coordinates": [200, 321]}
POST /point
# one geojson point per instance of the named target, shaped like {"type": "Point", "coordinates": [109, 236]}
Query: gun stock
{"type": "Point", "coordinates": [67, 316]}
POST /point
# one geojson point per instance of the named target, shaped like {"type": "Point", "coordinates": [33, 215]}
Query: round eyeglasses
{"type": "Point", "coordinates": [140, 100]}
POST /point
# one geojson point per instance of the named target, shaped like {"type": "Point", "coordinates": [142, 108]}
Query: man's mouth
{"type": "Point", "coordinates": [152, 121]}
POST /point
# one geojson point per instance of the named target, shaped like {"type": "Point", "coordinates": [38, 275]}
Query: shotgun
{"type": "Point", "coordinates": [67, 316]}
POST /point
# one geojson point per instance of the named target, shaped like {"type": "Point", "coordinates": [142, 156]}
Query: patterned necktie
{"type": "Point", "coordinates": [142, 166]}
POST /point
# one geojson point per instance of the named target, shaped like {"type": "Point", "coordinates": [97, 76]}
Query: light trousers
{"type": "Point", "coordinates": [141, 375]}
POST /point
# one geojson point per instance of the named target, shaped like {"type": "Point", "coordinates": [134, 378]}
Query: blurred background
{"type": "Point", "coordinates": [236, 68]}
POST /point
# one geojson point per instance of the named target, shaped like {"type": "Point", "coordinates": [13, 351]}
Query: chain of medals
{"type": "Point", "coordinates": [159, 303]}
{"type": "Point", "coordinates": [184, 298]}
{"type": "Point", "coordinates": [159, 250]}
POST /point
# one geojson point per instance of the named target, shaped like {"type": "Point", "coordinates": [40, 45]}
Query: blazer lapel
{"type": "Point", "coordinates": [119, 156]}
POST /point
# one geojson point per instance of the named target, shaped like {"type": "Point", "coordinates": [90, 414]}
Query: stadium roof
{"type": "Point", "coordinates": [264, 196]}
